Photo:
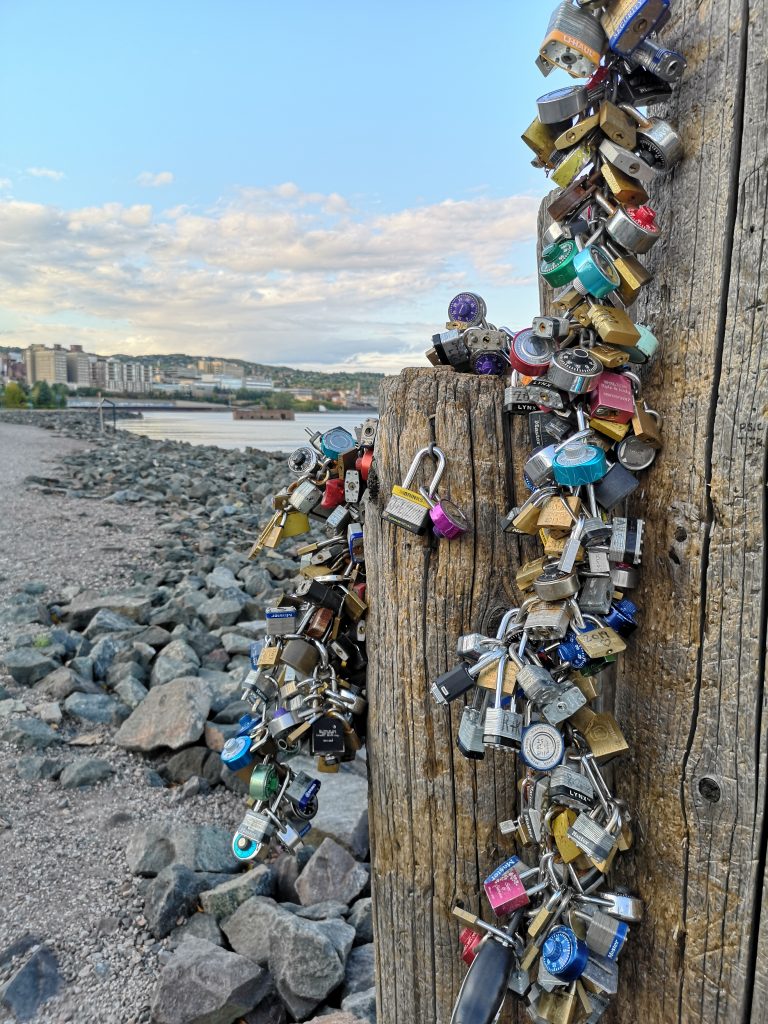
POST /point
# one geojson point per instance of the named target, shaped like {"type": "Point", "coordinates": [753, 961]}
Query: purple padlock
{"type": "Point", "coordinates": [448, 520]}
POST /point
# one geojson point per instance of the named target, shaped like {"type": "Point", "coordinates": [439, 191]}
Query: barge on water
{"type": "Point", "coordinates": [263, 414]}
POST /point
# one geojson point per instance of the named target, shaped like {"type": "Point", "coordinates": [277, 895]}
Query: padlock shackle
{"type": "Point", "coordinates": [433, 451]}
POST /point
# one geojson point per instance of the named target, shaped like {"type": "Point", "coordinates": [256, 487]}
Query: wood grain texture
{"type": "Point", "coordinates": [433, 814]}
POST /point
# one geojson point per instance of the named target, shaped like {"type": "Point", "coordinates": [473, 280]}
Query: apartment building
{"type": "Point", "coordinates": [46, 364]}
{"type": "Point", "coordinates": [78, 367]}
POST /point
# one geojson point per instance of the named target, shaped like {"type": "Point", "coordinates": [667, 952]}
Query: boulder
{"type": "Point", "coordinates": [362, 1005]}
{"type": "Point", "coordinates": [26, 665]}
{"type": "Point", "coordinates": [175, 660]}
{"type": "Point", "coordinates": [194, 761]}
{"type": "Point", "coordinates": [60, 683]}
{"type": "Point", "coordinates": [28, 733]}
{"type": "Point", "coordinates": [360, 971]}
{"type": "Point", "coordinates": [131, 692]}
{"type": "Point", "coordinates": [85, 771]}
{"type": "Point", "coordinates": [203, 984]}
{"type": "Point", "coordinates": [361, 919]}
{"type": "Point", "coordinates": [133, 603]}
{"type": "Point", "coordinates": [36, 767]}
{"type": "Point", "coordinates": [171, 894]}
{"type": "Point", "coordinates": [216, 735]}
{"type": "Point", "coordinates": [11, 706]}
{"type": "Point", "coordinates": [198, 847]}
{"type": "Point", "coordinates": [224, 609]}
{"type": "Point", "coordinates": [331, 874]}
{"type": "Point", "coordinates": [32, 985]}
{"type": "Point", "coordinates": [304, 963]}
{"type": "Point", "coordinates": [223, 688]}
{"type": "Point", "coordinates": [107, 621]}
{"type": "Point", "coordinates": [171, 716]}
{"type": "Point", "coordinates": [224, 900]}
{"type": "Point", "coordinates": [345, 817]}
{"type": "Point", "coordinates": [252, 926]}
{"type": "Point", "coordinates": [199, 926]}
{"type": "Point", "coordinates": [50, 712]}
{"type": "Point", "coordinates": [95, 707]}
{"type": "Point", "coordinates": [320, 911]}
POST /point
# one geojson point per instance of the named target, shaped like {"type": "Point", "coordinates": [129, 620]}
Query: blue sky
{"type": "Point", "coordinates": [299, 183]}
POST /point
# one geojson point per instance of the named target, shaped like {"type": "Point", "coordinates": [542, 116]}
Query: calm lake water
{"type": "Point", "coordinates": [220, 429]}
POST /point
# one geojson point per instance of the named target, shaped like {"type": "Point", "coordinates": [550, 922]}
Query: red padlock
{"type": "Point", "coordinates": [613, 399]}
{"type": "Point", "coordinates": [469, 940]}
{"type": "Point", "coordinates": [364, 463]}
{"type": "Point", "coordinates": [333, 494]}
{"type": "Point", "coordinates": [645, 216]}
{"type": "Point", "coordinates": [530, 354]}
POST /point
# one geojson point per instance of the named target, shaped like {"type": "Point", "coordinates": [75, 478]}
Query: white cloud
{"type": "Point", "coordinates": [5, 184]}
{"type": "Point", "coordinates": [45, 172]}
{"type": "Point", "coordinates": [273, 275]}
{"type": "Point", "coordinates": [149, 179]}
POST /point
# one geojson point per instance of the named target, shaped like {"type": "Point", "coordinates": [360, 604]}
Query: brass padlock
{"type": "Point", "coordinates": [571, 164]}
{"type": "Point", "coordinates": [270, 536]}
{"type": "Point", "coordinates": [556, 1008]}
{"type": "Point", "coordinates": [633, 274]}
{"type": "Point", "coordinates": [601, 642]}
{"type": "Point", "coordinates": [541, 139]}
{"type": "Point", "coordinates": [529, 572]}
{"type": "Point", "coordinates": [617, 126]}
{"type": "Point", "coordinates": [610, 356]}
{"type": "Point", "coordinates": [295, 524]}
{"type": "Point", "coordinates": [488, 677]}
{"type": "Point", "coordinates": [586, 684]}
{"type": "Point", "coordinates": [646, 424]}
{"type": "Point", "coordinates": [604, 737]}
{"type": "Point", "coordinates": [566, 847]}
{"type": "Point", "coordinates": [577, 132]}
{"type": "Point", "coordinates": [269, 657]}
{"type": "Point", "coordinates": [560, 513]}
{"type": "Point", "coordinates": [613, 325]}
{"type": "Point", "coordinates": [616, 431]}
{"type": "Point", "coordinates": [626, 190]}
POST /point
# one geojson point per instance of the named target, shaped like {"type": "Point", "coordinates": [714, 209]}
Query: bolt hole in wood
{"type": "Point", "coordinates": [709, 789]}
{"type": "Point", "coordinates": [674, 556]}
{"type": "Point", "coordinates": [681, 534]}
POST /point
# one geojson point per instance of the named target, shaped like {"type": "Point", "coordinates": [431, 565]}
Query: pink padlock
{"type": "Point", "coordinates": [447, 519]}
{"type": "Point", "coordinates": [614, 398]}
{"type": "Point", "coordinates": [509, 893]}
{"type": "Point", "coordinates": [469, 940]}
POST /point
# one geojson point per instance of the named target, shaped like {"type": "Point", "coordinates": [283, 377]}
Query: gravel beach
{"type": "Point", "coordinates": [123, 578]}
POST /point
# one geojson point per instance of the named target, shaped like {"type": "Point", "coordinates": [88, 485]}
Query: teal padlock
{"type": "Point", "coordinates": [646, 347]}
{"type": "Point", "coordinates": [596, 273]}
{"type": "Point", "coordinates": [556, 265]}
{"type": "Point", "coordinates": [579, 463]}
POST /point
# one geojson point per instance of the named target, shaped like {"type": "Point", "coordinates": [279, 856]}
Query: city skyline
{"type": "Point", "coordinates": [169, 186]}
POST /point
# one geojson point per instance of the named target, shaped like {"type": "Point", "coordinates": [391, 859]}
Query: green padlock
{"type": "Point", "coordinates": [556, 265]}
{"type": "Point", "coordinates": [264, 782]}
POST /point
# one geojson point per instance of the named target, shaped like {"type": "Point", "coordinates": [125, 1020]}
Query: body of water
{"type": "Point", "coordinates": [220, 429]}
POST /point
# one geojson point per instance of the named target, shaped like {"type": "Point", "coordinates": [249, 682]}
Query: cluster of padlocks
{"type": "Point", "coordinates": [307, 684]}
{"type": "Point", "coordinates": [559, 930]}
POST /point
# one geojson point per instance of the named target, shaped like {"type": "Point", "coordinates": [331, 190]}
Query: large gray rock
{"type": "Point", "coordinates": [36, 767]}
{"type": "Point", "coordinates": [169, 716]}
{"type": "Point", "coordinates": [220, 579]}
{"type": "Point", "coordinates": [199, 926]}
{"type": "Point", "coordinates": [107, 621]}
{"type": "Point", "coordinates": [304, 963]}
{"type": "Point", "coordinates": [319, 911]}
{"type": "Point", "coordinates": [224, 609]}
{"type": "Point", "coordinates": [340, 934]}
{"type": "Point", "coordinates": [222, 687]}
{"type": "Point", "coordinates": [331, 874]}
{"type": "Point", "coordinates": [171, 894]}
{"type": "Point", "coordinates": [26, 665]}
{"type": "Point", "coordinates": [95, 707]}
{"type": "Point", "coordinates": [133, 603]}
{"type": "Point", "coordinates": [361, 919]}
{"type": "Point", "coordinates": [224, 900]}
{"type": "Point", "coordinates": [198, 847]}
{"type": "Point", "coordinates": [194, 761]}
{"type": "Point", "coordinates": [175, 660]}
{"type": "Point", "coordinates": [131, 692]}
{"type": "Point", "coordinates": [85, 771]}
{"type": "Point", "coordinates": [31, 986]}
{"type": "Point", "coordinates": [28, 733]}
{"type": "Point", "coordinates": [60, 683]}
{"type": "Point", "coordinates": [252, 926]}
{"type": "Point", "coordinates": [362, 1005]}
{"type": "Point", "coordinates": [203, 984]}
{"type": "Point", "coordinates": [360, 972]}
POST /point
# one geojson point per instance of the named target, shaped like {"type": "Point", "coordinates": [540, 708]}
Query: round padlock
{"type": "Point", "coordinates": [556, 266]}
{"type": "Point", "coordinates": [236, 753]}
{"type": "Point", "coordinates": [577, 464]}
{"type": "Point", "coordinates": [574, 370]}
{"type": "Point", "coordinates": [564, 955]}
{"type": "Point", "coordinates": [531, 354]}
{"type": "Point", "coordinates": [562, 104]}
{"type": "Point", "coordinates": [466, 309]}
{"type": "Point", "coordinates": [596, 273]}
{"type": "Point", "coordinates": [542, 747]}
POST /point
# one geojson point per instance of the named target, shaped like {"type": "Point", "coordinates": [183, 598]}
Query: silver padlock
{"type": "Point", "coordinates": [667, 65]}
{"type": "Point", "coordinates": [657, 141]}
{"type": "Point", "coordinates": [471, 731]}
{"type": "Point", "coordinates": [503, 728]}
{"type": "Point", "coordinates": [305, 497]}
{"type": "Point", "coordinates": [569, 788]}
{"type": "Point", "coordinates": [574, 40]}
{"type": "Point", "coordinates": [409, 509]}
{"type": "Point", "coordinates": [596, 595]}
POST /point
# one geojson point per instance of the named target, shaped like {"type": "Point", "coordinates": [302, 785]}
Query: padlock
{"type": "Point", "coordinates": [596, 274]}
{"type": "Point", "coordinates": [668, 65]}
{"type": "Point", "coordinates": [628, 22]}
{"type": "Point", "coordinates": [625, 190]}
{"type": "Point", "coordinates": [569, 788]}
{"type": "Point", "coordinates": [613, 398]}
{"type": "Point", "coordinates": [469, 738]}
{"type": "Point", "coordinates": [646, 424]}
{"type": "Point", "coordinates": [578, 463]}
{"type": "Point", "coordinates": [448, 520]}
{"type": "Point", "coordinates": [530, 353]}
{"type": "Point", "coordinates": [541, 746]}
{"type": "Point", "coordinates": [541, 139]}
{"type": "Point", "coordinates": [615, 431]}
{"type": "Point", "coordinates": [525, 518]}
{"type": "Point", "coordinates": [617, 485]}
{"type": "Point", "coordinates": [635, 455]}
{"type": "Point", "coordinates": [574, 370]}
{"type": "Point", "coordinates": [574, 40]}
{"type": "Point", "coordinates": [633, 228]}
{"type": "Point", "coordinates": [409, 509]}
{"type": "Point", "coordinates": [564, 955]}
{"type": "Point", "coordinates": [566, 848]}
{"type": "Point", "coordinates": [613, 325]}
{"type": "Point", "coordinates": [576, 132]}
{"type": "Point", "coordinates": [291, 835]}
{"type": "Point", "coordinates": [633, 277]}
{"type": "Point", "coordinates": [628, 162]}
{"type": "Point", "coordinates": [352, 486]}
{"type": "Point", "coordinates": [487, 350]}
{"type": "Point", "coordinates": [617, 126]}
{"type": "Point", "coordinates": [601, 975]}
{"type": "Point", "coordinates": [626, 540]}
{"type": "Point", "coordinates": [321, 594]}
{"type": "Point", "coordinates": [556, 266]}
{"type": "Point", "coordinates": [604, 737]}
{"type": "Point", "coordinates": [301, 655]}
{"type": "Point", "coordinates": [305, 497]}
{"type": "Point", "coordinates": [555, 327]}
{"type": "Point", "coordinates": [560, 513]}
{"type": "Point", "coordinates": [336, 442]}
{"type": "Point", "coordinates": [657, 141]}
{"type": "Point", "coordinates": [544, 428]}
{"type": "Point", "coordinates": [572, 163]}
{"type": "Point", "coordinates": [600, 641]}
{"type": "Point", "coordinates": [551, 619]}
{"type": "Point", "coordinates": [596, 594]}
{"type": "Point", "coordinates": [510, 892]}
{"type": "Point", "coordinates": [503, 728]}
{"type": "Point", "coordinates": [605, 935]}
{"type": "Point", "coordinates": [451, 350]}
{"type": "Point", "coordinates": [562, 104]}
{"type": "Point", "coordinates": [571, 198]}
{"type": "Point", "coordinates": [556, 585]}
{"type": "Point", "coordinates": [467, 309]}
{"type": "Point", "coordinates": [280, 620]}
{"type": "Point", "coordinates": [595, 840]}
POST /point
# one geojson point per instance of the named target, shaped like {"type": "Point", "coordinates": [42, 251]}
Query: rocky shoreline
{"type": "Point", "coordinates": [121, 900]}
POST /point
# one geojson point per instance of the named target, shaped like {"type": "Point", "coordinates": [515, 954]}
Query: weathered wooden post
{"type": "Point", "coordinates": [690, 693]}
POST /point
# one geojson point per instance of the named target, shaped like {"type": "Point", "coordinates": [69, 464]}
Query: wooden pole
{"type": "Point", "coordinates": [690, 691]}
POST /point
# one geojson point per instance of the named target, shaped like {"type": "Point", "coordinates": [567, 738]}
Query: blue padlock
{"type": "Point", "coordinates": [628, 24]}
{"type": "Point", "coordinates": [247, 724]}
{"type": "Point", "coordinates": [621, 617]}
{"type": "Point", "coordinates": [243, 847]}
{"type": "Point", "coordinates": [236, 753]}
{"type": "Point", "coordinates": [564, 955]}
{"type": "Point", "coordinates": [335, 442]}
{"type": "Point", "coordinates": [578, 463]}
{"type": "Point", "coordinates": [596, 273]}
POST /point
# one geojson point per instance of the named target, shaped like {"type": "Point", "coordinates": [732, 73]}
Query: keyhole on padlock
{"type": "Point", "coordinates": [709, 789]}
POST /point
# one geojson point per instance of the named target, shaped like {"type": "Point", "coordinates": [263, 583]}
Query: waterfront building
{"type": "Point", "coordinates": [78, 367]}
{"type": "Point", "coordinates": [46, 364]}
